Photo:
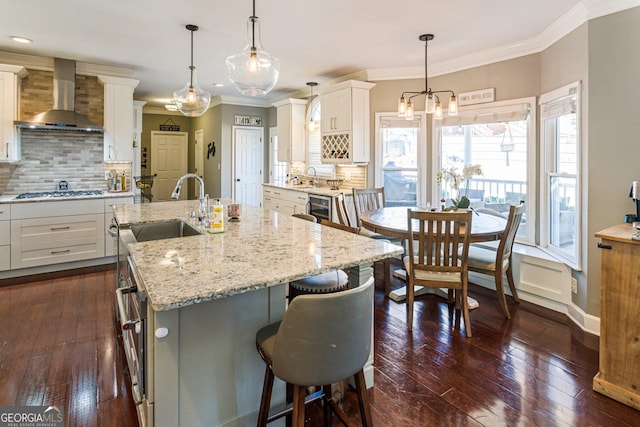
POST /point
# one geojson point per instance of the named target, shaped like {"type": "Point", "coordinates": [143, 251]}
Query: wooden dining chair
{"type": "Point", "coordinates": [438, 250]}
{"type": "Point", "coordinates": [368, 199]}
{"type": "Point", "coordinates": [341, 210]}
{"type": "Point", "coordinates": [498, 262]}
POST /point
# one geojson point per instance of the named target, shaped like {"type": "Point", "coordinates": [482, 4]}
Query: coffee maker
{"type": "Point", "coordinates": [634, 193]}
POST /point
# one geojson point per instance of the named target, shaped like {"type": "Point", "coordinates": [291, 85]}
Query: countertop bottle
{"type": "Point", "coordinates": [216, 221]}
{"type": "Point", "coordinates": [123, 182]}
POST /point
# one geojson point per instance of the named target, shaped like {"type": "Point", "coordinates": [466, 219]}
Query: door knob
{"type": "Point", "coordinates": [238, 179]}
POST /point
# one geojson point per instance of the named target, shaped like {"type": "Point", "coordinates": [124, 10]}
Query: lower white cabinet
{"type": "Point", "coordinates": [285, 201]}
{"type": "Point", "coordinates": [44, 233]}
{"type": "Point", "coordinates": [5, 237]}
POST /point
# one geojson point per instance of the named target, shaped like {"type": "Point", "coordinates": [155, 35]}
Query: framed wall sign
{"type": "Point", "coordinates": [477, 96]}
{"type": "Point", "coordinates": [245, 120]}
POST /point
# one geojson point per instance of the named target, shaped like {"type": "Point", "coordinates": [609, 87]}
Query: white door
{"type": "Point", "coordinates": [168, 163]}
{"type": "Point", "coordinates": [248, 163]}
{"type": "Point", "coordinates": [199, 153]}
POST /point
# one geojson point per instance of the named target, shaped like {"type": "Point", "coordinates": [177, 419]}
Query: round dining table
{"type": "Point", "coordinates": [392, 222]}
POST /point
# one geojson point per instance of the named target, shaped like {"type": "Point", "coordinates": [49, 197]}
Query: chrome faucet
{"type": "Point", "coordinates": [202, 206]}
{"type": "Point", "coordinates": [315, 175]}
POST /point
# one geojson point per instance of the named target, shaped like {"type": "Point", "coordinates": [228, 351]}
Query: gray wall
{"type": "Point", "coordinates": [613, 147]}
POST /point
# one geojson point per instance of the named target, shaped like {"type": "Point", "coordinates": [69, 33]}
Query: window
{"type": "Point", "coordinates": [279, 170]}
{"type": "Point", "coordinates": [500, 137]}
{"type": "Point", "coordinates": [560, 166]}
{"type": "Point", "coordinates": [314, 141]}
{"type": "Point", "coordinates": [399, 145]}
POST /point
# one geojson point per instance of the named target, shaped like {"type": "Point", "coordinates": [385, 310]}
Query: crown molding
{"type": "Point", "coordinates": [46, 64]}
{"type": "Point", "coordinates": [578, 15]}
{"type": "Point", "coordinates": [160, 111]}
{"type": "Point", "coordinates": [234, 100]}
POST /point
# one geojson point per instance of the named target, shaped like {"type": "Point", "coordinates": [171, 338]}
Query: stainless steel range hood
{"type": "Point", "coordinates": [62, 116]}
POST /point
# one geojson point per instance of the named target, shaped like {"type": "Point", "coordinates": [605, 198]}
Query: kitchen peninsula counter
{"type": "Point", "coordinates": [208, 295]}
{"type": "Point", "coordinates": [263, 249]}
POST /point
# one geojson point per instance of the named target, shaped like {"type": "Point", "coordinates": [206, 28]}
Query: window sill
{"type": "Point", "coordinates": [528, 250]}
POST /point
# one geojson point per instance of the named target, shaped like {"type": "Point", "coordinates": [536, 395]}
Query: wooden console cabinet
{"type": "Point", "coordinates": [619, 375]}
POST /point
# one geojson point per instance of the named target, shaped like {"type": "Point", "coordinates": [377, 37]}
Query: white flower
{"type": "Point", "coordinates": [469, 171]}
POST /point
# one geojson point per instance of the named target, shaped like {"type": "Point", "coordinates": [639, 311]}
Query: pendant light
{"type": "Point", "coordinates": [254, 72]}
{"type": "Point", "coordinates": [432, 101]}
{"type": "Point", "coordinates": [191, 100]}
{"type": "Point", "coordinates": [312, 124]}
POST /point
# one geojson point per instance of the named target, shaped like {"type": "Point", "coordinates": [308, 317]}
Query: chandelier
{"type": "Point", "coordinates": [433, 105]}
{"type": "Point", "coordinates": [253, 71]}
{"type": "Point", "coordinates": [191, 100]}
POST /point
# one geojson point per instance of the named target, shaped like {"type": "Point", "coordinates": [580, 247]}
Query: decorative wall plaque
{"type": "Point", "coordinates": [245, 120]}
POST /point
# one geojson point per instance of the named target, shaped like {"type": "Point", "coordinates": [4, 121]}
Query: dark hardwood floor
{"type": "Point", "coordinates": [59, 345]}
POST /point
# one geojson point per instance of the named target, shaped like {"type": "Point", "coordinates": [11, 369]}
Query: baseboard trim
{"type": "Point", "coordinates": [587, 322]}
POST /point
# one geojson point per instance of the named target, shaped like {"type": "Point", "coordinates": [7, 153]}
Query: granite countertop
{"type": "Point", "coordinates": [323, 191]}
{"type": "Point", "coordinates": [11, 198]}
{"type": "Point", "coordinates": [263, 249]}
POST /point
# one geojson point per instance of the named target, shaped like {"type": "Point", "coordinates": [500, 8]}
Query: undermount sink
{"type": "Point", "coordinates": [163, 230]}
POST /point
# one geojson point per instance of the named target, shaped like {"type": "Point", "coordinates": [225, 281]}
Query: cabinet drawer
{"type": "Point", "coordinates": [35, 257]}
{"type": "Point", "coordinates": [5, 211]}
{"type": "Point", "coordinates": [5, 258]}
{"type": "Point", "coordinates": [56, 208]}
{"type": "Point", "coordinates": [42, 241]}
{"type": "Point", "coordinates": [5, 232]}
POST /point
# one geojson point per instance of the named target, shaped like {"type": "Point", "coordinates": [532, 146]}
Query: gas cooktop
{"type": "Point", "coordinates": [59, 194]}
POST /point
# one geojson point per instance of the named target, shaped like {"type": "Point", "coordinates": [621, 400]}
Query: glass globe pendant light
{"type": "Point", "coordinates": [254, 72]}
{"type": "Point", "coordinates": [191, 100]}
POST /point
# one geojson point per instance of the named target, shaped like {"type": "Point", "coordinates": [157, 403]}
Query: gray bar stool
{"type": "Point", "coordinates": [322, 339]}
{"type": "Point", "coordinates": [332, 281]}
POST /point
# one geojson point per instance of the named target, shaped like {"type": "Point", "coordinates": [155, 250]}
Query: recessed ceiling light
{"type": "Point", "coordinates": [20, 39]}
{"type": "Point", "coordinates": [218, 84]}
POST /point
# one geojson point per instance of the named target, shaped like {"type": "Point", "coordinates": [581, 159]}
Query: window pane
{"type": "Point", "coordinates": [562, 208]}
{"type": "Point", "coordinates": [400, 187]}
{"type": "Point", "coordinates": [500, 148]}
{"type": "Point", "coordinates": [399, 139]}
{"type": "Point", "coordinates": [566, 160]}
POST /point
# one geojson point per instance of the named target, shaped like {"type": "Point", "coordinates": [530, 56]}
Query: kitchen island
{"type": "Point", "coordinates": [209, 294]}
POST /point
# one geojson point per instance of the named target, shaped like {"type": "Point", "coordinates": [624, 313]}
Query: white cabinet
{"type": "Point", "coordinates": [118, 118]}
{"type": "Point", "coordinates": [345, 122]}
{"type": "Point", "coordinates": [5, 237]}
{"type": "Point", "coordinates": [44, 233]}
{"type": "Point", "coordinates": [291, 130]}
{"type": "Point", "coordinates": [336, 111]}
{"type": "Point", "coordinates": [10, 78]}
{"type": "Point", "coordinates": [110, 242]}
{"type": "Point", "coordinates": [285, 201]}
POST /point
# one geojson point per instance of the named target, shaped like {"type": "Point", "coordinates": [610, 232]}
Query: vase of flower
{"type": "Point", "coordinates": [451, 176]}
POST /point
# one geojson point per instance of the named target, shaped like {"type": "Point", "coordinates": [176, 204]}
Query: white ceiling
{"type": "Point", "coordinates": [315, 41]}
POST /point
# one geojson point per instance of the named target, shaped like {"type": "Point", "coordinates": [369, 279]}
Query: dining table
{"type": "Point", "coordinates": [392, 221]}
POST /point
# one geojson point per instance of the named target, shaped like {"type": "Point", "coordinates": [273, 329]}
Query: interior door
{"type": "Point", "coordinates": [168, 162]}
{"type": "Point", "coordinates": [248, 164]}
{"type": "Point", "coordinates": [199, 153]}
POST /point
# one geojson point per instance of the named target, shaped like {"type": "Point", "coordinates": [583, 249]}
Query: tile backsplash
{"type": "Point", "coordinates": [51, 156]}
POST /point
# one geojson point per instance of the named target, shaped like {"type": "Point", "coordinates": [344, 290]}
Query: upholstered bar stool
{"type": "Point", "coordinates": [325, 283]}
{"type": "Point", "coordinates": [322, 339]}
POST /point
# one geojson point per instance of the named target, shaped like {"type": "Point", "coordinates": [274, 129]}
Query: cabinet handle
{"type": "Point", "coordinates": [6, 155]}
{"type": "Point", "coordinates": [601, 246]}
{"type": "Point", "coordinates": [66, 251]}
{"type": "Point", "coordinates": [60, 228]}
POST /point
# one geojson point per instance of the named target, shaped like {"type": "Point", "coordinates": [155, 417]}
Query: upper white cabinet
{"type": "Point", "coordinates": [118, 118]}
{"type": "Point", "coordinates": [291, 130]}
{"type": "Point", "coordinates": [137, 137]}
{"type": "Point", "coordinates": [10, 78]}
{"type": "Point", "coordinates": [345, 122]}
